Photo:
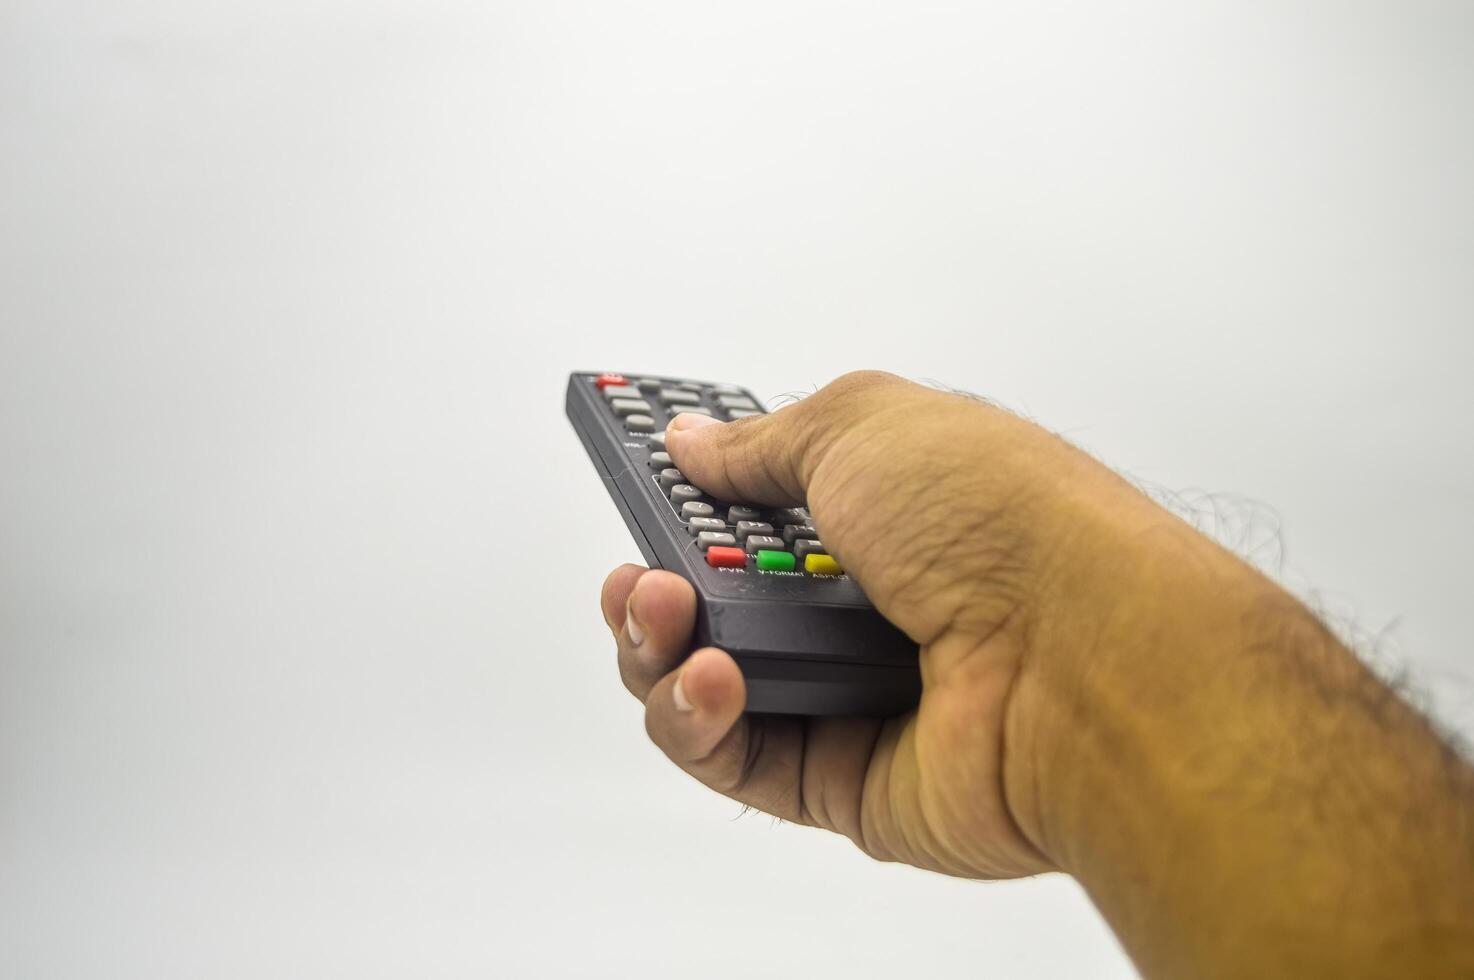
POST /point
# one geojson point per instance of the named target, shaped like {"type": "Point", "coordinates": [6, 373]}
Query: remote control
{"type": "Point", "coordinates": [806, 638]}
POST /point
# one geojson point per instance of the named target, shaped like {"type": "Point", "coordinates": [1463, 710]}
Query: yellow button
{"type": "Point", "coordinates": [822, 565]}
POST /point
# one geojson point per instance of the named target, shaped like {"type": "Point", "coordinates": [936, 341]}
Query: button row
{"type": "Point", "coordinates": [721, 556]}
{"type": "Point", "coordinates": [701, 525]}
{"type": "Point", "coordinates": [630, 400]}
{"type": "Point", "coordinates": [611, 379]}
{"type": "Point", "coordinates": [791, 521]}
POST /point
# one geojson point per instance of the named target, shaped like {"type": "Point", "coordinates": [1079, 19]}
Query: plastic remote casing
{"type": "Point", "coordinates": [806, 644]}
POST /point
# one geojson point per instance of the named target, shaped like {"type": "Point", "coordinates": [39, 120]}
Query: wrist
{"type": "Point", "coordinates": [1125, 666]}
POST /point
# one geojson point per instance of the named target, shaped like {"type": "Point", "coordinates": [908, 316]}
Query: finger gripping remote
{"type": "Point", "coordinates": [806, 638]}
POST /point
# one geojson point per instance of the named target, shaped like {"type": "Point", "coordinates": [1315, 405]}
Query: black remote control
{"type": "Point", "coordinates": [806, 638]}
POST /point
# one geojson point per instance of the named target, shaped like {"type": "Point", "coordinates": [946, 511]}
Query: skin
{"type": "Point", "coordinates": [1107, 693]}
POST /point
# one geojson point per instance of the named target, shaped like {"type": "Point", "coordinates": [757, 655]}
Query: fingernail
{"type": "Point", "coordinates": [633, 628]}
{"type": "Point", "coordinates": [678, 693]}
{"type": "Point", "coordinates": [691, 420]}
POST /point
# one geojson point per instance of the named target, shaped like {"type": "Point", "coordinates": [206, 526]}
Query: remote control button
{"type": "Point", "coordinates": [744, 528]}
{"type": "Point", "coordinates": [682, 493]}
{"type": "Point", "coordinates": [679, 396]}
{"type": "Point", "coordinates": [650, 384]}
{"type": "Point", "coordinates": [736, 401]}
{"type": "Point", "coordinates": [699, 524]}
{"type": "Point", "coordinates": [727, 389]}
{"type": "Point", "coordinates": [657, 441]}
{"type": "Point", "coordinates": [689, 386]}
{"type": "Point", "coordinates": [607, 379]}
{"type": "Point", "coordinates": [737, 413]}
{"type": "Point", "coordinates": [639, 423]}
{"type": "Point", "coordinates": [630, 406]}
{"type": "Point", "coordinates": [803, 548]}
{"type": "Point", "coordinates": [621, 391]}
{"type": "Point", "coordinates": [660, 461]}
{"type": "Point", "coordinates": [742, 512]}
{"type": "Point", "coordinates": [794, 532]}
{"type": "Point", "coordinates": [692, 410]}
{"type": "Point", "coordinates": [775, 561]}
{"type": "Point", "coordinates": [717, 539]}
{"type": "Point", "coordinates": [822, 565]}
{"type": "Point", "coordinates": [693, 509]}
{"type": "Point", "coordinates": [785, 516]}
{"type": "Point", "coordinates": [726, 558]}
{"type": "Point", "coordinates": [763, 542]}
{"type": "Point", "coordinates": [669, 478]}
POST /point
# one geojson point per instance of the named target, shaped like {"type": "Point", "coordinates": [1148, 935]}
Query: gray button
{"type": "Point", "coordinates": [803, 548]}
{"type": "Point", "coordinates": [657, 441]}
{"type": "Point", "coordinates": [659, 461]}
{"type": "Point", "coordinates": [693, 509]}
{"type": "Point", "coordinates": [650, 384]}
{"type": "Point", "coordinates": [742, 512]}
{"type": "Point", "coordinates": [789, 515]}
{"type": "Point", "coordinates": [736, 401]}
{"type": "Point", "coordinates": [763, 542]}
{"type": "Point", "coordinates": [621, 391]}
{"type": "Point", "coordinates": [669, 478]}
{"type": "Point", "coordinates": [795, 532]}
{"type": "Point", "coordinates": [680, 493]}
{"type": "Point", "coordinates": [691, 409]}
{"type": "Point", "coordinates": [727, 389]}
{"type": "Point", "coordinates": [639, 423]}
{"type": "Point", "coordinates": [689, 386]}
{"type": "Point", "coordinates": [737, 413]}
{"type": "Point", "coordinates": [719, 538]}
{"type": "Point", "coordinates": [699, 524]}
{"type": "Point", "coordinates": [747, 528]}
{"type": "Point", "coordinates": [630, 406]}
{"type": "Point", "coordinates": [679, 396]}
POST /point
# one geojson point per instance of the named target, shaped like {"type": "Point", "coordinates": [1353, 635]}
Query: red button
{"type": "Point", "coordinates": [726, 557]}
{"type": "Point", "coordinates": [605, 380]}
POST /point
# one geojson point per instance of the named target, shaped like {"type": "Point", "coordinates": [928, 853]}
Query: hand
{"type": "Point", "coordinates": [962, 523]}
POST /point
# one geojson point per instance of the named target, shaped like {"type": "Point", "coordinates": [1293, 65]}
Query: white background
{"type": "Point", "coordinates": [301, 669]}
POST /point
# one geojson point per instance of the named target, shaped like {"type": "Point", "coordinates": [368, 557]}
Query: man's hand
{"type": "Point", "coordinates": [930, 501]}
{"type": "Point", "coordinates": [1106, 692]}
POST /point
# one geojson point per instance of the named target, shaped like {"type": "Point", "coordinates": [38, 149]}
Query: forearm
{"type": "Point", "coordinates": [1235, 790]}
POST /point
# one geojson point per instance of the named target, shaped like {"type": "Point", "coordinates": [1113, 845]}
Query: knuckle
{"type": "Point", "coordinates": [853, 383]}
{"type": "Point", "coordinates": [866, 377]}
{"type": "Point", "coordinates": [854, 396]}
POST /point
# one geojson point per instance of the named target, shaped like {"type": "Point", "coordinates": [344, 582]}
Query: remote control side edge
{"type": "Point", "coordinates": [577, 415]}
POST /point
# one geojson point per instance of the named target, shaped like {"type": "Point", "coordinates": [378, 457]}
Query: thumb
{"type": "Point", "coordinates": [755, 460]}
{"type": "Point", "coordinates": [772, 459]}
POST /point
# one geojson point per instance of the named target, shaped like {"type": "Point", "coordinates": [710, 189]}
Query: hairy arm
{"type": "Point", "coordinates": [1106, 692]}
{"type": "Point", "coordinates": [1236, 791]}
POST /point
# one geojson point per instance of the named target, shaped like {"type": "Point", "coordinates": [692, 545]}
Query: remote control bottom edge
{"type": "Point", "coordinates": [806, 687]}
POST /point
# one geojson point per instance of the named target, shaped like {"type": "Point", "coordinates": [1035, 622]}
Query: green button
{"type": "Point", "coordinates": [775, 561]}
